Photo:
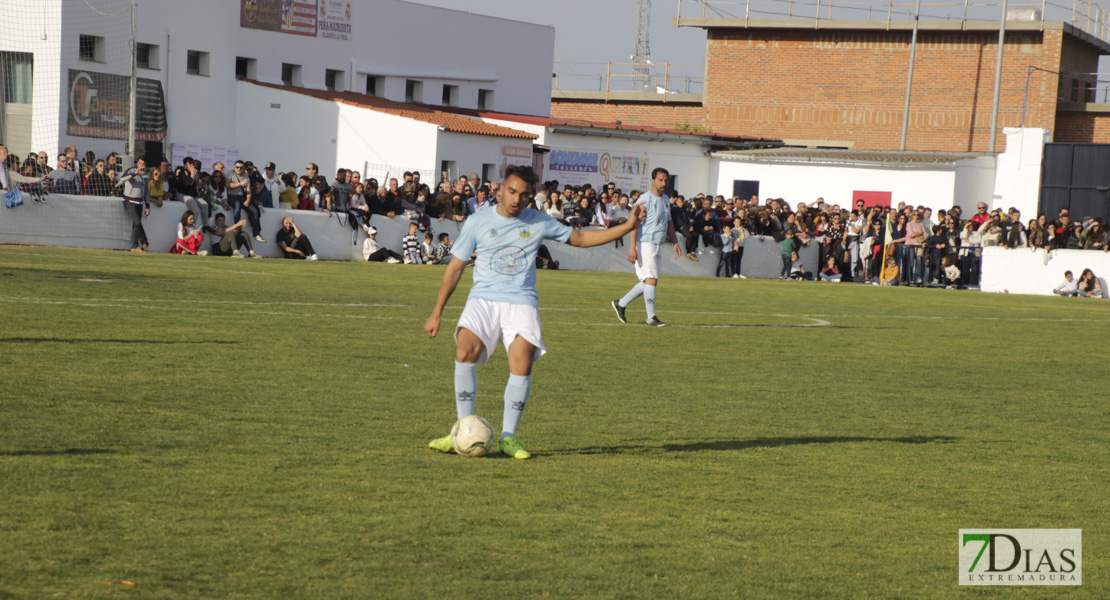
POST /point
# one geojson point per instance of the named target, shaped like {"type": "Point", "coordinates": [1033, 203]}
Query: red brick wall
{"type": "Point", "coordinates": [1082, 127]}
{"type": "Point", "coordinates": [850, 86]}
{"type": "Point", "coordinates": [670, 116]}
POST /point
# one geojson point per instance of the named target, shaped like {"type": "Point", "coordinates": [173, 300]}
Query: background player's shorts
{"type": "Point", "coordinates": [647, 260]}
{"type": "Point", "coordinates": [491, 321]}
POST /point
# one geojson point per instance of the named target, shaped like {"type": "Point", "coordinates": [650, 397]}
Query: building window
{"type": "Point", "coordinates": [448, 169]}
{"type": "Point", "coordinates": [1088, 91]}
{"type": "Point", "coordinates": [372, 85]}
{"type": "Point", "coordinates": [450, 95]}
{"type": "Point", "coordinates": [246, 68]}
{"type": "Point", "coordinates": [196, 63]}
{"type": "Point", "coordinates": [414, 91]}
{"type": "Point", "coordinates": [333, 80]}
{"type": "Point", "coordinates": [91, 48]}
{"type": "Point", "coordinates": [485, 99]}
{"type": "Point", "coordinates": [488, 172]}
{"type": "Point", "coordinates": [1075, 90]}
{"type": "Point", "coordinates": [290, 74]}
{"type": "Point", "coordinates": [146, 56]}
{"type": "Point", "coordinates": [17, 76]}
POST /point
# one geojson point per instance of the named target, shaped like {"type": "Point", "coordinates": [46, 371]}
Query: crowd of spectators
{"type": "Point", "coordinates": [901, 245]}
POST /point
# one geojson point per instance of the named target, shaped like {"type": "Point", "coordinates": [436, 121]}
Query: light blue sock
{"type": "Point", "coordinates": [466, 387]}
{"type": "Point", "coordinates": [632, 294]}
{"type": "Point", "coordinates": [516, 396]}
{"type": "Point", "coordinates": [649, 300]}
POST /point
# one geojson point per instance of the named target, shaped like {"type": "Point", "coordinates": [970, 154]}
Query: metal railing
{"type": "Point", "coordinates": [1086, 15]}
{"type": "Point", "coordinates": [655, 78]}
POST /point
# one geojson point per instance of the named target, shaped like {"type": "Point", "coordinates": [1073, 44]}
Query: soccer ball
{"type": "Point", "coordinates": [472, 436]}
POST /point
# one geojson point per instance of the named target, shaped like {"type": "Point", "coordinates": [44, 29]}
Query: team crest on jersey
{"type": "Point", "coordinates": [492, 232]}
{"type": "Point", "coordinates": [525, 233]}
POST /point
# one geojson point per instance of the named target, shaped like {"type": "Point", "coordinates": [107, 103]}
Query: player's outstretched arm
{"type": "Point", "coordinates": [451, 278]}
{"type": "Point", "coordinates": [587, 238]}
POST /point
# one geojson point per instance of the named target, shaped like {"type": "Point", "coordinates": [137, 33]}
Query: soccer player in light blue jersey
{"type": "Point", "coordinates": [503, 304]}
{"type": "Point", "coordinates": [646, 245]}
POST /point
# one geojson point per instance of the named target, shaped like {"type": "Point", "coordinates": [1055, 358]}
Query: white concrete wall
{"type": "Point", "coordinates": [1020, 271]}
{"type": "Point", "coordinates": [88, 222]}
{"type": "Point", "coordinates": [974, 183]}
{"type": "Point", "coordinates": [470, 152]}
{"type": "Point", "coordinates": [1017, 181]}
{"type": "Point", "coordinates": [299, 132]}
{"type": "Point", "coordinates": [370, 137]}
{"type": "Point", "coordinates": [805, 182]}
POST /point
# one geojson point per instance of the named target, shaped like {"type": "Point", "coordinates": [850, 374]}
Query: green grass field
{"type": "Point", "coordinates": [220, 428]}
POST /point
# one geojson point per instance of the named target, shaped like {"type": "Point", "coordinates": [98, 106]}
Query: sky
{"type": "Point", "coordinates": [594, 31]}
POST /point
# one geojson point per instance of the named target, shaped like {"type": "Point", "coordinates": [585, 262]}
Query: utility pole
{"type": "Point", "coordinates": [642, 55]}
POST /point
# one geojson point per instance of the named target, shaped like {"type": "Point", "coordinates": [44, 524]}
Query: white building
{"type": "Point", "coordinates": [75, 55]}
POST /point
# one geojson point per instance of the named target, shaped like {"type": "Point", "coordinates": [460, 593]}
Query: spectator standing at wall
{"type": "Point", "coordinates": [410, 246]}
{"type": "Point", "coordinates": [274, 182]}
{"type": "Point", "coordinates": [728, 247]}
{"type": "Point", "coordinates": [789, 248]}
{"type": "Point", "coordinates": [288, 197]}
{"type": "Point", "coordinates": [64, 179]}
{"type": "Point", "coordinates": [136, 201]}
{"type": "Point", "coordinates": [684, 227]}
{"type": "Point", "coordinates": [98, 183]}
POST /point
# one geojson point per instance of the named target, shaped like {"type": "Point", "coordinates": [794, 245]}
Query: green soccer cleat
{"type": "Point", "coordinates": [509, 446]}
{"type": "Point", "coordinates": [442, 444]}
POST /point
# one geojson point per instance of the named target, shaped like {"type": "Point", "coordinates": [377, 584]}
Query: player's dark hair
{"type": "Point", "coordinates": [525, 173]}
{"type": "Point", "coordinates": [657, 170]}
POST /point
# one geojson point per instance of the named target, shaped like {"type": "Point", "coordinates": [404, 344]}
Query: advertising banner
{"type": "Point", "coordinates": [579, 167]}
{"type": "Point", "coordinates": [207, 155]}
{"type": "Point", "coordinates": [99, 104]}
{"type": "Point", "coordinates": [514, 155]}
{"type": "Point", "coordinates": [334, 20]}
{"type": "Point", "coordinates": [330, 19]}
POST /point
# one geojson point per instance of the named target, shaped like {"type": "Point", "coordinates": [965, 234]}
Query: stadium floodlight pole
{"type": "Point", "coordinates": [909, 77]}
{"type": "Point", "coordinates": [131, 125]}
{"type": "Point", "coordinates": [997, 78]}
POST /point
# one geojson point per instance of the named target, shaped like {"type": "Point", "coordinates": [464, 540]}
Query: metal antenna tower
{"type": "Point", "coordinates": [642, 56]}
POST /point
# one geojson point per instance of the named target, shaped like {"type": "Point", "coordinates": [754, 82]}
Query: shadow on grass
{"type": "Point", "coordinates": [31, 340]}
{"type": "Point", "coordinates": [760, 443]}
{"type": "Point", "coordinates": [66, 452]}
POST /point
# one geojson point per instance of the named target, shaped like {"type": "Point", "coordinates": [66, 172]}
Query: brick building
{"type": "Point", "coordinates": [842, 83]}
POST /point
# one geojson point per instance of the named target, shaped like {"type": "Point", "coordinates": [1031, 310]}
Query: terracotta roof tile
{"type": "Point", "coordinates": [418, 112]}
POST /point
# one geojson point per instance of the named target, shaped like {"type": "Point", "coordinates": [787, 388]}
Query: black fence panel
{"type": "Point", "coordinates": [1076, 177]}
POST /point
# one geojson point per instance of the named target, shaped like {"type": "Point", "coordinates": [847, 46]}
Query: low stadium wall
{"type": "Point", "coordinates": [95, 222]}
{"type": "Point", "coordinates": [1025, 271]}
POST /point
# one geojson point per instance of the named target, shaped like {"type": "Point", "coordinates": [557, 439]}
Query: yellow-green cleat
{"type": "Point", "coordinates": [442, 444]}
{"type": "Point", "coordinates": [509, 446]}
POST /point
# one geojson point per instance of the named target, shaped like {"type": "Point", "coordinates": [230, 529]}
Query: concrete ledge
{"type": "Point", "coordinates": [1022, 271]}
{"type": "Point", "coordinates": [102, 223]}
{"type": "Point", "coordinates": [626, 96]}
{"type": "Point", "coordinates": [1085, 107]}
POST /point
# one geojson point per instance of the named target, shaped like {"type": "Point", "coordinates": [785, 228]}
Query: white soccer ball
{"type": "Point", "coordinates": [472, 436]}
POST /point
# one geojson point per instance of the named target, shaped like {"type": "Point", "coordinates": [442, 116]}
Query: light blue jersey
{"type": "Point", "coordinates": [505, 269]}
{"type": "Point", "coordinates": [654, 226]}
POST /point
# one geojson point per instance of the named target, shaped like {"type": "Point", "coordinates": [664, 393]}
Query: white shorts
{"type": "Point", "coordinates": [647, 260]}
{"type": "Point", "coordinates": [491, 321]}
